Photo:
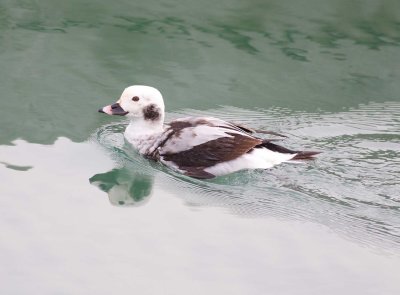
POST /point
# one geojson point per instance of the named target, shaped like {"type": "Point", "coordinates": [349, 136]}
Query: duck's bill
{"type": "Point", "coordinates": [114, 109]}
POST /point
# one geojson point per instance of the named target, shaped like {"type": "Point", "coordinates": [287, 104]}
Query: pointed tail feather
{"type": "Point", "coordinates": [305, 155]}
{"type": "Point", "coordinates": [269, 132]}
{"type": "Point", "coordinates": [251, 130]}
{"type": "Point", "coordinates": [299, 155]}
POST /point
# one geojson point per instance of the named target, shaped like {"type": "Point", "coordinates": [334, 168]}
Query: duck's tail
{"type": "Point", "coordinates": [298, 155]}
{"type": "Point", "coordinates": [305, 155]}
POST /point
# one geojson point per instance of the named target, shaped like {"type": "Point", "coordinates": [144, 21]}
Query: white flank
{"type": "Point", "coordinates": [257, 159]}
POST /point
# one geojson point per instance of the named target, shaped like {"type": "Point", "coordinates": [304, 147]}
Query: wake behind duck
{"type": "Point", "coordinates": [200, 147]}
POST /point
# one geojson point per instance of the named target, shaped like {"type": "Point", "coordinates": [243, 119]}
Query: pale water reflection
{"type": "Point", "coordinates": [182, 243]}
{"type": "Point", "coordinates": [352, 187]}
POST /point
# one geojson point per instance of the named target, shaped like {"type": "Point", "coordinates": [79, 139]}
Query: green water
{"type": "Point", "coordinates": [83, 213]}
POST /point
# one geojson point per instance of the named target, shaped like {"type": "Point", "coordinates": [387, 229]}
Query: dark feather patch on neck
{"type": "Point", "coordinates": [152, 113]}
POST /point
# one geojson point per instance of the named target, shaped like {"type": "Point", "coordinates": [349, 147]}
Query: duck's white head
{"type": "Point", "coordinates": [139, 103]}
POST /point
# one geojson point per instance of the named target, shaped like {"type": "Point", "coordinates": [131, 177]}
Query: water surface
{"type": "Point", "coordinates": [81, 212]}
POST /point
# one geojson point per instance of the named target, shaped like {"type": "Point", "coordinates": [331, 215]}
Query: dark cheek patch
{"type": "Point", "coordinates": [152, 113]}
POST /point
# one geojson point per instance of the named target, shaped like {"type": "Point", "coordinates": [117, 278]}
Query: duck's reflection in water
{"type": "Point", "coordinates": [124, 186]}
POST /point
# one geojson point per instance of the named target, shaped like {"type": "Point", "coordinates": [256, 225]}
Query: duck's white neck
{"type": "Point", "coordinates": [142, 133]}
{"type": "Point", "coordinates": [140, 126]}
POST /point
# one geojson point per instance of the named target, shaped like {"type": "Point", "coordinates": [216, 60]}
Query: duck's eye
{"type": "Point", "coordinates": [135, 98]}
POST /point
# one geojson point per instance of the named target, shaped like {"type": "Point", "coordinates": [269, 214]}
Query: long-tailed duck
{"type": "Point", "coordinates": [200, 147]}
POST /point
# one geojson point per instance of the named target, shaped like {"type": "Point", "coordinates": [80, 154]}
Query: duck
{"type": "Point", "coordinates": [198, 147]}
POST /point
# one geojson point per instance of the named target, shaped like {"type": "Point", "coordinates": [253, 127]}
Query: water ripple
{"type": "Point", "coordinates": [352, 188]}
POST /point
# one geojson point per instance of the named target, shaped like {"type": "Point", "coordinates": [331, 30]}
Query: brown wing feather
{"type": "Point", "coordinates": [214, 151]}
{"type": "Point", "coordinates": [250, 130]}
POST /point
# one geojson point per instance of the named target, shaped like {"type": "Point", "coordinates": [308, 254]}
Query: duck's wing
{"type": "Point", "coordinates": [251, 131]}
{"type": "Point", "coordinates": [194, 144]}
